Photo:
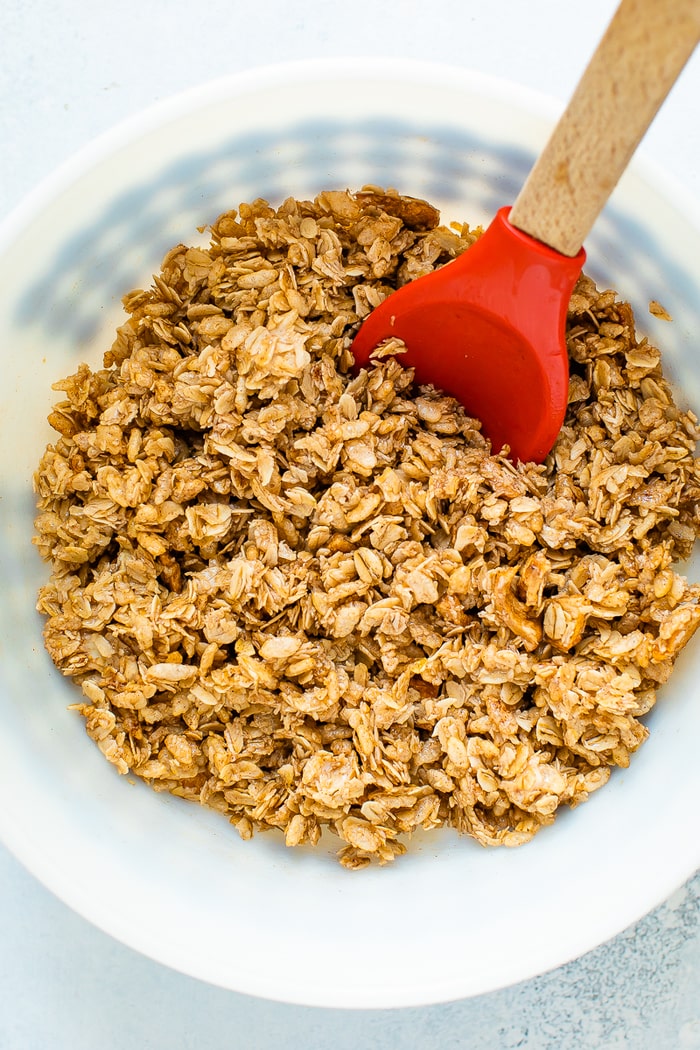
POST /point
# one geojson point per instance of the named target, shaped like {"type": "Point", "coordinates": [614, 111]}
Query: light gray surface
{"type": "Point", "coordinates": [70, 70]}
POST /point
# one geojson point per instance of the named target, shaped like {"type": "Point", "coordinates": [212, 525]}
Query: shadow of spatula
{"type": "Point", "coordinates": [489, 327]}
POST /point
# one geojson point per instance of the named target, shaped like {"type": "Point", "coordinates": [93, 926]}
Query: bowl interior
{"type": "Point", "coordinates": [172, 880]}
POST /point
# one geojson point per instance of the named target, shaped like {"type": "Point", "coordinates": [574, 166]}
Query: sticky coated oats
{"type": "Point", "coordinates": [307, 598]}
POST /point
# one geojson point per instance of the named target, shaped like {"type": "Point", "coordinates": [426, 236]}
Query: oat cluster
{"type": "Point", "coordinates": [306, 598]}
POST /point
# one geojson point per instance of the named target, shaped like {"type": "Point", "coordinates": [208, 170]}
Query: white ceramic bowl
{"type": "Point", "coordinates": [173, 881]}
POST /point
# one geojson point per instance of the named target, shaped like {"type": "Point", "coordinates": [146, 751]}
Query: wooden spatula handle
{"type": "Point", "coordinates": [633, 69]}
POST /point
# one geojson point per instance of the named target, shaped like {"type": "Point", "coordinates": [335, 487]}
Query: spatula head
{"type": "Point", "coordinates": [489, 328]}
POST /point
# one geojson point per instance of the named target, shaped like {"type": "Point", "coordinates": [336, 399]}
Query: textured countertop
{"type": "Point", "coordinates": [70, 70]}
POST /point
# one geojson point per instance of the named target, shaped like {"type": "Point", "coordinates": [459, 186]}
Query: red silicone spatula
{"type": "Point", "coordinates": [488, 327]}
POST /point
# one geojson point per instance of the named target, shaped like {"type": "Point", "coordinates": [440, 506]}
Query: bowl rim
{"type": "Point", "coordinates": [277, 74]}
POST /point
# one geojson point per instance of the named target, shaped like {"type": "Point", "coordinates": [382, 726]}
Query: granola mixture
{"type": "Point", "coordinates": [306, 598]}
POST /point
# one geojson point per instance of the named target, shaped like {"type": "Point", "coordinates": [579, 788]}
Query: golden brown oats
{"type": "Point", "coordinates": [658, 310]}
{"type": "Point", "coordinates": [307, 598]}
